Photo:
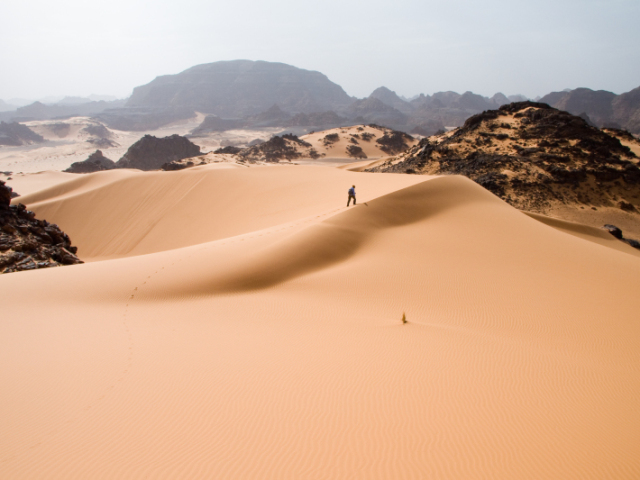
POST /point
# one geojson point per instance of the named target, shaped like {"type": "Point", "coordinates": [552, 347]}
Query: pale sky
{"type": "Point", "coordinates": [533, 47]}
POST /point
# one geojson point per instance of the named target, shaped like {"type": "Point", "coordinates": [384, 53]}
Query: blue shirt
{"type": "Point", "coordinates": [352, 192]}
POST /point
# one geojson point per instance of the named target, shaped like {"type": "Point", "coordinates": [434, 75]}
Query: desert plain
{"type": "Point", "coordinates": [242, 322]}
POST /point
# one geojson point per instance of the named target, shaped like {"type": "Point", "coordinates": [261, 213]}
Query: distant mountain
{"type": "Point", "coordinates": [373, 110]}
{"type": "Point", "coordinates": [500, 99]}
{"type": "Point", "coordinates": [89, 99]}
{"type": "Point", "coordinates": [626, 110]}
{"type": "Point", "coordinates": [240, 88]}
{"type": "Point", "coordinates": [604, 109]}
{"type": "Point", "coordinates": [5, 107]}
{"type": "Point", "coordinates": [390, 98]}
{"type": "Point", "coordinates": [40, 111]}
{"type": "Point", "coordinates": [517, 98]}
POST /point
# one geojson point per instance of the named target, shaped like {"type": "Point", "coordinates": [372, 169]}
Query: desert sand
{"type": "Point", "coordinates": [243, 323]}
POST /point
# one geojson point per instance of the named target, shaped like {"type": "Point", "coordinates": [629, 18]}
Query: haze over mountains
{"type": "Point", "coordinates": [245, 94]}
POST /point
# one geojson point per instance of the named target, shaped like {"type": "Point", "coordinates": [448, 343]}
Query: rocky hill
{"type": "Point", "coordinates": [533, 156]}
{"type": "Point", "coordinates": [241, 88]}
{"type": "Point", "coordinates": [286, 147]}
{"type": "Point", "coordinates": [150, 153]}
{"type": "Point", "coordinates": [27, 243]}
{"type": "Point", "coordinates": [95, 163]}
{"type": "Point", "coordinates": [15, 134]}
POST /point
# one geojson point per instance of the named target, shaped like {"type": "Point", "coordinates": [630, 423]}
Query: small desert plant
{"type": "Point", "coordinates": [404, 318]}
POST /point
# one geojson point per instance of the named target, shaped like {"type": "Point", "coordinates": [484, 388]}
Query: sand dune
{"type": "Point", "coordinates": [248, 325]}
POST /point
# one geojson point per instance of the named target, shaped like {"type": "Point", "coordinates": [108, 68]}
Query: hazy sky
{"type": "Point", "coordinates": [73, 47]}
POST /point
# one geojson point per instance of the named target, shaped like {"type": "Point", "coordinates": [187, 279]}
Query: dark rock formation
{"type": "Point", "coordinates": [355, 151]}
{"type": "Point", "coordinates": [95, 163]}
{"type": "Point", "coordinates": [176, 165]}
{"type": "Point", "coordinates": [613, 230]}
{"type": "Point", "coordinates": [287, 147]}
{"type": "Point", "coordinates": [27, 243]}
{"type": "Point", "coordinates": [150, 153]}
{"type": "Point", "coordinates": [16, 134]}
{"type": "Point", "coordinates": [532, 155]}
{"type": "Point", "coordinates": [393, 142]}
{"type": "Point", "coordinates": [241, 88]}
{"type": "Point", "coordinates": [330, 138]}
{"type": "Point", "coordinates": [616, 232]}
{"type": "Point", "coordinates": [231, 150]}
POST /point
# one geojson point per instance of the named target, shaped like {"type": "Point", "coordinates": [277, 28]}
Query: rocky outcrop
{"type": "Point", "coordinates": [616, 232]}
{"type": "Point", "coordinates": [27, 243]}
{"type": "Point", "coordinates": [241, 88]}
{"type": "Point", "coordinates": [532, 156]}
{"type": "Point", "coordinates": [16, 134]}
{"type": "Point", "coordinates": [393, 142]}
{"type": "Point", "coordinates": [150, 153]}
{"type": "Point", "coordinates": [286, 147]}
{"type": "Point", "coordinates": [95, 163]}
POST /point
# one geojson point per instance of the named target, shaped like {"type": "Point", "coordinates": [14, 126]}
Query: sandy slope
{"type": "Point", "coordinates": [274, 349]}
{"type": "Point", "coordinates": [338, 149]}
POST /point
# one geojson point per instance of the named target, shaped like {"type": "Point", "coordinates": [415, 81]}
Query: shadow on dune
{"type": "Point", "coordinates": [340, 237]}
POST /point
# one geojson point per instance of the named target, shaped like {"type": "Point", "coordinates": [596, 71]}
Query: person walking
{"type": "Point", "coordinates": [352, 194]}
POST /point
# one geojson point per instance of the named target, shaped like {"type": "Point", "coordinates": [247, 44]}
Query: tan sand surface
{"type": "Point", "coordinates": [261, 336]}
{"type": "Point", "coordinates": [338, 149]}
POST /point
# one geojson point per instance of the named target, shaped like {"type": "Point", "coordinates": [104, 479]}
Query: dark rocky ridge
{"type": "Point", "coordinates": [27, 243]}
{"type": "Point", "coordinates": [532, 155]}
{"type": "Point", "coordinates": [95, 163]}
{"type": "Point", "coordinates": [150, 153]}
{"type": "Point", "coordinates": [16, 134]}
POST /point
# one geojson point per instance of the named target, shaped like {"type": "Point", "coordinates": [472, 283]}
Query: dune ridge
{"type": "Point", "coordinates": [275, 348]}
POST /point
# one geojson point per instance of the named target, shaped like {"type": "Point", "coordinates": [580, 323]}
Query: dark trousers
{"type": "Point", "coordinates": [349, 201]}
